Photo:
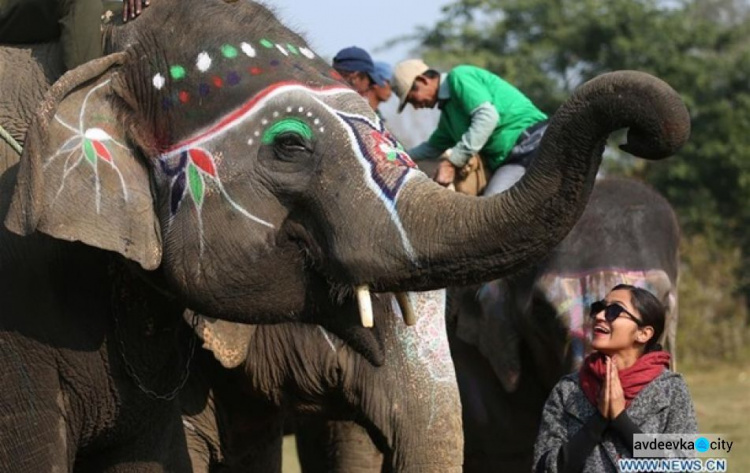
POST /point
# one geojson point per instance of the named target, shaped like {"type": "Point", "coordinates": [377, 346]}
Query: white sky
{"type": "Point", "coordinates": [331, 25]}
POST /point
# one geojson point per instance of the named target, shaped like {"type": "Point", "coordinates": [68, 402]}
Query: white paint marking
{"type": "Point", "coordinates": [247, 49]}
{"type": "Point", "coordinates": [203, 62]}
{"type": "Point", "coordinates": [159, 81]}
{"type": "Point", "coordinates": [281, 48]}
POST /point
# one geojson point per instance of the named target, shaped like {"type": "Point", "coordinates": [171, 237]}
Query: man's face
{"type": "Point", "coordinates": [357, 79]}
{"type": "Point", "coordinates": [423, 93]}
{"type": "Point", "coordinates": [383, 93]}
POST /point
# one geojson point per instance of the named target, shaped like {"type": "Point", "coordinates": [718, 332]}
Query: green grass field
{"type": "Point", "coordinates": [721, 395]}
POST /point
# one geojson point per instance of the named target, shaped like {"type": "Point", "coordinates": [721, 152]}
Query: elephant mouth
{"type": "Point", "coordinates": [345, 321]}
{"type": "Point", "coordinates": [361, 318]}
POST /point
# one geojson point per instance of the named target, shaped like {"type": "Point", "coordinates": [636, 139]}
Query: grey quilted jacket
{"type": "Point", "coordinates": [663, 406]}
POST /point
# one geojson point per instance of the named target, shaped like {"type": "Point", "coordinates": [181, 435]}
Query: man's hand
{"type": "Point", "coordinates": [445, 173]}
{"type": "Point", "coordinates": [133, 8]}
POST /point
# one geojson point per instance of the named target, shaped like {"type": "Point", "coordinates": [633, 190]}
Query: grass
{"type": "Point", "coordinates": [721, 395]}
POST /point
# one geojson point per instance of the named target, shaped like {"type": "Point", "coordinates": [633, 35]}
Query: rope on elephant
{"type": "Point", "coordinates": [11, 141]}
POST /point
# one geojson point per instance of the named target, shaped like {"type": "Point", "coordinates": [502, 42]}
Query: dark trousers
{"type": "Point", "coordinates": [75, 23]}
{"type": "Point", "coordinates": [527, 145]}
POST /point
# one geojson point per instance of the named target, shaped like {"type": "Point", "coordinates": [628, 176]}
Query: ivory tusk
{"type": "Point", "coordinates": [407, 311]}
{"type": "Point", "coordinates": [364, 302]}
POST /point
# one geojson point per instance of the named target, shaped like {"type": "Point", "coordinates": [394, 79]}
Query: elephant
{"type": "Point", "coordinates": [224, 167]}
{"type": "Point", "coordinates": [40, 65]}
{"type": "Point", "coordinates": [512, 339]}
{"type": "Point", "coordinates": [234, 405]}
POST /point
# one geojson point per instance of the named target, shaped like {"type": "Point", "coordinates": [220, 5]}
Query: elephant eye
{"type": "Point", "coordinates": [289, 135]}
{"type": "Point", "coordinates": [291, 142]}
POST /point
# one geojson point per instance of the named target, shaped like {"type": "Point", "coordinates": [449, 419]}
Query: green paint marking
{"type": "Point", "coordinates": [177, 72]}
{"type": "Point", "coordinates": [196, 184]}
{"type": "Point", "coordinates": [292, 49]}
{"type": "Point", "coordinates": [391, 155]}
{"type": "Point", "coordinates": [229, 51]}
{"type": "Point", "coordinates": [264, 42]}
{"type": "Point", "coordinates": [286, 125]}
{"type": "Point", "coordinates": [88, 151]}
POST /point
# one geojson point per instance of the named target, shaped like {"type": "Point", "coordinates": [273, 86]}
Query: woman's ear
{"type": "Point", "coordinates": [645, 334]}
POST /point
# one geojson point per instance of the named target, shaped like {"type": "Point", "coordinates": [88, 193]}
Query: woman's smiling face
{"type": "Point", "coordinates": [623, 333]}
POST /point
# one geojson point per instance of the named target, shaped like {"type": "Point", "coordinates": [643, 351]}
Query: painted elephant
{"type": "Point", "coordinates": [222, 166]}
{"type": "Point", "coordinates": [514, 338]}
{"type": "Point", "coordinates": [234, 417]}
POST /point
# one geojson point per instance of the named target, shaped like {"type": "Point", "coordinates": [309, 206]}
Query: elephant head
{"type": "Point", "coordinates": [410, 406]}
{"type": "Point", "coordinates": [214, 145]}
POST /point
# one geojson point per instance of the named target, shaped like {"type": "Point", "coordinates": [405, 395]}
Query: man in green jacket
{"type": "Point", "coordinates": [480, 114]}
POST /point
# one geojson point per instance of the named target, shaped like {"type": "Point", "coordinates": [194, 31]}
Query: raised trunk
{"type": "Point", "coordinates": [459, 239]}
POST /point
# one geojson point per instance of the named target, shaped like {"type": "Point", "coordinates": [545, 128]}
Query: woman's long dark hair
{"type": "Point", "coordinates": [653, 313]}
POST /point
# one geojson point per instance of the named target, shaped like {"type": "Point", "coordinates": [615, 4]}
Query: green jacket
{"type": "Point", "coordinates": [468, 88]}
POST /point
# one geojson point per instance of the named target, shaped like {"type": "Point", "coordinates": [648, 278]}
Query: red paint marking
{"type": "Point", "coordinates": [255, 70]}
{"type": "Point", "coordinates": [333, 73]}
{"type": "Point", "coordinates": [232, 116]}
{"type": "Point", "coordinates": [184, 96]}
{"type": "Point", "coordinates": [203, 160]}
{"type": "Point", "coordinates": [217, 81]}
{"type": "Point", "coordinates": [102, 150]}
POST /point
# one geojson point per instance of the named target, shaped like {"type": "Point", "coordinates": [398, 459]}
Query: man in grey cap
{"type": "Point", "coordinates": [357, 68]}
{"type": "Point", "coordinates": [481, 114]}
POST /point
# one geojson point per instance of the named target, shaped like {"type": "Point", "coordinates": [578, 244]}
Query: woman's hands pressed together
{"type": "Point", "coordinates": [611, 396]}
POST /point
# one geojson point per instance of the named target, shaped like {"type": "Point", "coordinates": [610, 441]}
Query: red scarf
{"type": "Point", "coordinates": [633, 379]}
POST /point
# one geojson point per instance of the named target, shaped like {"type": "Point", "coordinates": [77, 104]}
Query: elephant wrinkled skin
{"type": "Point", "coordinates": [234, 416]}
{"type": "Point", "coordinates": [222, 166]}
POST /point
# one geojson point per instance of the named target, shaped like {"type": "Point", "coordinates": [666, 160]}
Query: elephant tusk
{"type": "Point", "coordinates": [365, 306]}
{"type": "Point", "coordinates": [407, 311]}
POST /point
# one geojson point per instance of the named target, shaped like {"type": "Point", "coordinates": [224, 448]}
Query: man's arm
{"type": "Point", "coordinates": [484, 119]}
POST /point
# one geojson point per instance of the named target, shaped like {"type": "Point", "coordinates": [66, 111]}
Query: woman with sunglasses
{"type": "Point", "coordinates": [623, 388]}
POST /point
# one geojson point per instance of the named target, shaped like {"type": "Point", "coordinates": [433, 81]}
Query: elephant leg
{"type": "Point", "coordinates": [336, 446]}
{"type": "Point", "coordinates": [34, 434]}
{"type": "Point", "coordinates": [499, 427]}
{"type": "Point", "coordinates": [159, 447]}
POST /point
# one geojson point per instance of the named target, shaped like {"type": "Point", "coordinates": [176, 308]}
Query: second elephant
{"type": "Point", "coordinates": [410, 405]}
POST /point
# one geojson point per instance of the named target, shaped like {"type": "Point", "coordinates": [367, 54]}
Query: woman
{"type": "Point", "coordinates": [623, 388]}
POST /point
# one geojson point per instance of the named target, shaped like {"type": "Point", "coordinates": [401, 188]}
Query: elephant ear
{"type": "Point", "coordinates": [228, 341]}
{"type": "Point", "coordinates": [79, 178]}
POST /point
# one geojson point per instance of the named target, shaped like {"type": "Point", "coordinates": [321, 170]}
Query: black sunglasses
{"type": "Point", "coordinates": [611, 312]}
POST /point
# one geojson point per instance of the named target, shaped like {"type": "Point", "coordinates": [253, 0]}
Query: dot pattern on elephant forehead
{"type": "Point", "coordinates": [204, 62]}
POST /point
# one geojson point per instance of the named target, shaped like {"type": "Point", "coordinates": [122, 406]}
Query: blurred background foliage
{"type": "Point", "coordinates": [702, 48]}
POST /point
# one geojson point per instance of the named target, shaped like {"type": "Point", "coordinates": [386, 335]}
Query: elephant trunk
{"type": "Point", "coordinates": [413, 407]}
{"type": "Point", "coordinates": [458, 239]}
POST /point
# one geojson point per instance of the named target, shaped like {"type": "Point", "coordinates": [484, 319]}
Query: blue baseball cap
{"type": "Point", "coordinates": [354, 59]}
{"type": "Point", "coordinates": [383, 73]}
